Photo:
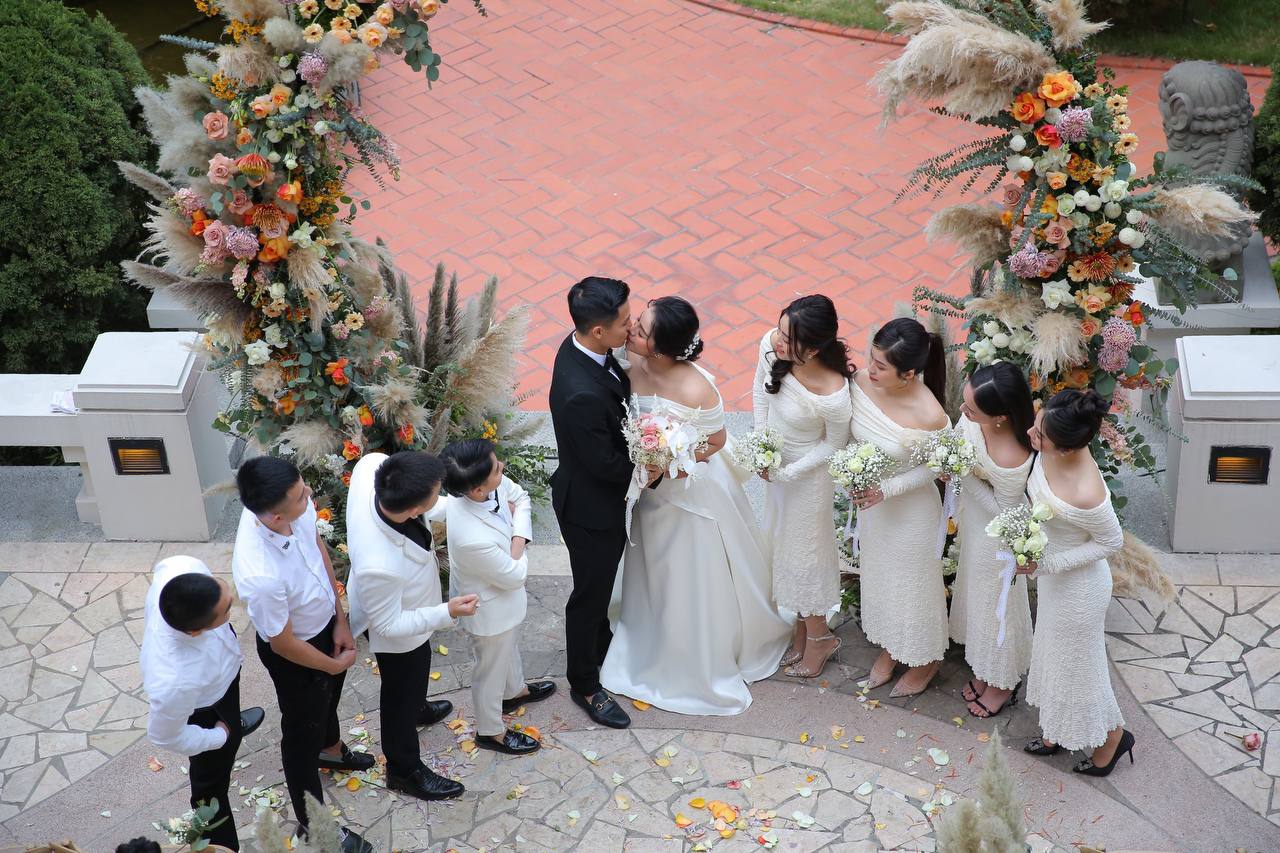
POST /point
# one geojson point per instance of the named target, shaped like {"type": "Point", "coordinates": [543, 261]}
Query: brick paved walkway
{"type": "Point", "coordinates": [688, 150]}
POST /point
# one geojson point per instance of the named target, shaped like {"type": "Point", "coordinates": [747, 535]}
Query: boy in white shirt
{"type": "Point", "coordinates": [191, 673]}
{"type": "Point", "coordinates": [489, 526]}
{"type": "Point", "coordinates": [283, 573]}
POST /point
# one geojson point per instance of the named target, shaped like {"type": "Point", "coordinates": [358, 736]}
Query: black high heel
{"type": "Point", "coordinates": [1037, 747]}
{"type": "Point", "coordinates": [1008, 703]}
{"type": "Point", "coordinates": [1088, 768]}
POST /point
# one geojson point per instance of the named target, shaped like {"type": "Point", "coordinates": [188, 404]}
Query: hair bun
{"type": "Point", "coordinates": [1092, 404]}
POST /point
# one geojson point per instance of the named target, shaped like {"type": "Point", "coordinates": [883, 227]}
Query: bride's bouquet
{"type": "Point", "coordinates": [758, 451]}
{"type": "Point", "coordinates": [1019, 529]}
{"type": "Point", "coordinates": [859, 467]}
{"type": "Point", "coordinates": [945, 452]}
{"type": "Point", "coordinates": [659, 439]}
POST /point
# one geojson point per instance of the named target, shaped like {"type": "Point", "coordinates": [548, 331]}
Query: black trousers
{"type": "Point", "coordinates": [210, 772]}
{"type": "Point", "coordinates": [403, 693]}
{"type": "Point", "coordinates": [308, 718]}
{"type": "Point", "coordinates": [593, 558]}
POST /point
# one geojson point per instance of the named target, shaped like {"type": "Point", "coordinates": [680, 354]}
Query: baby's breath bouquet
{"type": "Point", "coordinates": [759, 450]}
{"type": "Point", "coordinates": [945, 452]}
{"type": "Point", "coordinates": [192, 827]}
{"type": "Point", "coordinates": [859, 467]}
{"type": "Point", "coordinates": [1019, 529]}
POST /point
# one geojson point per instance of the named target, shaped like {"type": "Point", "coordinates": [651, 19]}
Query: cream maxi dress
{"type": "Point", "coordinates": [800, 503]}
{"type": "Point", "coordinates": [975, 593]}
{"type": "Point", "coordinates": [904, 601]}
{"type": "Point", "coordinates": [1069, 680]}
{"type": "Point", "coordinates": [697, 622]}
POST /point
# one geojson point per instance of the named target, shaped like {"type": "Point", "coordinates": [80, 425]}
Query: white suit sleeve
{"type": "Point", "coordinates": [522, 518]}
{"type": "Point", "coordinates": [1106, 538]}
{"type": "Point", "coordinates": [382, 593]}
{"type": "Point", "coordinates": [167, 728]}
{"type": "Point", "coordinates": [490, 564]}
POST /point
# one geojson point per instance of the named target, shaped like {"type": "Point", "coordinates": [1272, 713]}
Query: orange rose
{"type": "Point", "coordinates": [291, 192]}
{"type": "Point", "coordinates": [366, 416]}
{"type": "Point", "coordinates": [1059, 88]}
{"type": "Point", "coordinates": [1057, 180]}
{"type": "Point", "coordinates": [325, 514]}
{"type": "Point", "coordinates": [336, 370]}
{"type": "Point", "coordinates": [285, 405]}
{"type": "Point", "coordinates": [351, 452]}
{"type": "Point", "coordinates": [1027, 108]}
{"type": "Point", "coordinates": [1047, 135]}
{"type": "Point", "coordinates": [273, 249]}
{"type": "Point", "coordinates": [405, 434]}
{"type": "Point", "coordinates": [198, 223]}
{"type": "Point", "coordinates": [346, 479]}
{"type": "Point", "coordinates": [1090, 326]}
{"type": "Point", "coordinates": [280, 94]}
{"type": "Point", "coordinates": [1134, 314]}
{"type": "Point", "coordinates": [1077, 377]}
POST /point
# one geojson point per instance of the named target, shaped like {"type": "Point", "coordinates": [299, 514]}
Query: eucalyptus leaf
{"type": "Point", "coordinates": [1171, 365]}
{"type": "Point", "coordinates": [1106, 385]}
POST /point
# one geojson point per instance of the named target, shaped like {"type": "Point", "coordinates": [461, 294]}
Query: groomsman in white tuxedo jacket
{"type": "Point", "coordinates": [490, 525]}
{"type": "Point", "coordinates": [394, 592]}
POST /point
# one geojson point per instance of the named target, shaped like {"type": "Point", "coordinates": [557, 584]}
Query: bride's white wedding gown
{"type": "Point", "coordinates": [697, 621]}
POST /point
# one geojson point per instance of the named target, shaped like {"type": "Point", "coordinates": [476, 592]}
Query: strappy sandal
{"type": "Point", "coordinates": [1012, 700]}
{"type": "Point", "coordinates": [796, 672]}
{"type": "Point", "coordinates": [968, 685]}
{"type": "Point", "coordinates": [1038, 747]}
{"type": "Point", "coordinates": [790, 657]}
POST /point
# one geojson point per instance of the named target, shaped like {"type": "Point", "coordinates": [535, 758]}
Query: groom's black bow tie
{"type": "Point", "coordinates": [611, 364]}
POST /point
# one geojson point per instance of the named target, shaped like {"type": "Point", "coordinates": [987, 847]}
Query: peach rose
{"type": "Point", "coordinates": [1027, 108]}
{"type": "Point", "coordinates": [1090, 326]}
{"type": "Point", "coordinates": [341, 36]}
{"type": "Point", "coordinates": [1057, 234]}
{"type": "Point", "coordinates": [244, 137]}
{"type": "Point", "coordinates": [221, 168]}
{"type": "Point", "coordinates": [428, 8]}
{"type": "Point", "coordinates": [373, 35]}
{"type": "Point", "coordinates": [1058, 88]}
{"type": "Point", "coordinates": [1057, 180]}
{"type": "Point", "coordinates": [280, 95]}
{"type": "Point", "coordinates": [216, 124]}
{"type": "Point", "coordinates": [290, 192]}
{"type": "Point", "coordinates": [1091, 302]}
{"type": "Point", "coordinates": [262, 106]}
{"type": "Point", "coordinates": [1050, 264]}
{"type": "Point", "coordinates": [384, 15]}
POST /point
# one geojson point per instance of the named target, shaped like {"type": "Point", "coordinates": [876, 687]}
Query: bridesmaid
{"type": "Point", "coordinates": [995, 416]}
{"type": "Point", "coordinates": [801, 389]}
{"type": "Point", "coordinates": [1069, 680]}
{"type": "Point", "coordinates": [904, 601]}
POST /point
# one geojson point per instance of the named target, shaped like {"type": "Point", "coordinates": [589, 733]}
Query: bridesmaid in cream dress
{"type": "Point", "coordinates": [904, 601]}
{"type": "Point", "coordinates": [1070, 681]}
{"type": "Point", "coordinates": [995, 416]}
{"type": "Point", "coordinates": [697, 622]}
{"type": "Point", "coordinates": [801, 389]}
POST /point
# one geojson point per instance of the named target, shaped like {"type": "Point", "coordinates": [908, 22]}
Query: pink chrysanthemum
{"type": "Point", "coordinates": [1074, 124]}
{"type": "Point", "coordinates": [242, 243]}
{"type": "Point", "coordinates": [1028, 262]}
{"type": "Point", "coordinates": [1118, 337]}
{"type": "Point", "coordinates": [188, 201]}
{"type": "Point", "coordinates": [312, 67]}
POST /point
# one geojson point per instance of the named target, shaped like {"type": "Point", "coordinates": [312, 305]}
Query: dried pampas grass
{"type": "Point", "coordinates": [199, 65]}
{"type": "Point", "coordinates": [1067, 20]}
{"type": "Point", "coordinates": [252, 10]}
{"type": "Point", "coordinates": [284, 35]}
{"type": "Point", "coordinates": [483, 380]}
{"type": "Point", "coordinates": [160, 120]}
{"type": "Point", "coordinates": [250, 61]}
{"type": "Point", "coordinates": [186, 96]}
{"type": "Point", "coordinates": [170, 242]}
{"type": "Point", "coordinates": [154, 185]}
{"type": "Point", "coordinates": [1135, 568]}
{"type": "Point", "coordinates": [1058, 342]}
{"type": "Point", "coordinates": [203, 296]}
{"type": "Point", "coordinates": [393, 400]}
{"type": "Point", "coordinates": [958, 57]}
{"type": "Point", "coordinates": [311, 441]}
{"type": "Point", "coordinates": [1012, 309]}
{"type": "Point", "coordinates": [346, 61]}
{"type": "Point", "coordinates": [1199, 210]}
{"type": "Point", "coordinates": [385, 325]}
{"type": "Point", "coordinates": [976, 227]}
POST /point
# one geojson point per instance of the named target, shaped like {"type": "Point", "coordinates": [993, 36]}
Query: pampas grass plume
{"type": "Point", "coordinates": [154, 185]}
{"type": "Point", "coordinates": [252, 10]}
{"type": "Point", "coordinates": [483, 379]}
{"type": "Point", "coordinates": [976, 227]}
{"type": "Point", "coordinates": [1199, 210]}
{"type": "Point", "coordinates": [1014, 310]}
{"type": "Point", "coordinates": [392, 399]}
{"type": "Point", "coordinates": [169, 241]}
{"type": "Point", "coordinates": [1058, 342]}
{"type": "Point", "coordinates": [284, 35]}
{"type": "Point", "coordinates": [1135, 568]}
{"type": "Point", "coordinates": [311, 441]}
{"type": "Point", "coordinates": [1067, 20]}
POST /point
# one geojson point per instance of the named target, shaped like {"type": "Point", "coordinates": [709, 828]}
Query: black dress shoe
{"type": "Point", "coordinates": [602, 709]}
{"type": "Point", "coordinates": [511, 742]}
{"type": "Point", "coordinates": [425, 785]}
{"type": "Point", "coordinates": [250, 719]}
{"type": "Point", "coordinates": [434, 711]}
{"type": "Point", "coordinates": [538, 690]}
{"type": "Point", "coordinates": [352, 843]}
{"type": "Point", "coordinates": [348, 761]}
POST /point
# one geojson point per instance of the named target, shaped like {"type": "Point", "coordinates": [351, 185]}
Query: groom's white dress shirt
{"type": "Point", "coordinates": [283, 578]}
{"type": "Point", "coordinates": [394, 585]}
{"type": "Point", "coordinates": [597, 357]}
{"type": "Point", "coordinates": [480, 556]}
{"type": "Point", "coordinates": [181, 673]}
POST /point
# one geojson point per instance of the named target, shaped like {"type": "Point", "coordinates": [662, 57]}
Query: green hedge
{"type": "Point", "coordinates": [67, 218]}
{"type": "Point", "coordinates": [1266, 160]}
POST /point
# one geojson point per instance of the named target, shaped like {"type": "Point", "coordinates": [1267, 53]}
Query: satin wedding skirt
{"type": "Point", "coordinates": [696, 622]}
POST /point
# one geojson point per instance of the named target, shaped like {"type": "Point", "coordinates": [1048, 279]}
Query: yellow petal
{"type": "Point", "coordinates": [837, 732]}
{"type": "Point", "coordinates": [859, 739]}
{"type": "Point", "coordinates": [804, 737]}
{"type": "Point", "coordinates": [698, 803]}
{"type": "Point", "coordinates": [727, 833]}
{"type": "Point", "coordinates": [435, 676]}
{"type": "Point", "coordinates": [641, 706]}
{"type": "Point", "coordinates": [662, 761]}
{"type": "Point", "coordinates": [467, 746]}
{"type": "Point", "coordinates": [682, 821]}
{"type": "Point", "coordinates": [353, 784]}
{"type": "Point", "coordinates": [444, 650]}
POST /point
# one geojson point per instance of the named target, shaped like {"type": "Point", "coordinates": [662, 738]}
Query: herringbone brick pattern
{"type": "Point", "coordinates": [686, 150]}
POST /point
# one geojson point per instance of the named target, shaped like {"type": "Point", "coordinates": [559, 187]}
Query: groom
{"type": "Point", "coordinates": [589, 488]}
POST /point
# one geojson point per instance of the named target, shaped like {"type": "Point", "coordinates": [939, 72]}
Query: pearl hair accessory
{"type": "Point", "coordinates": [688, 351]}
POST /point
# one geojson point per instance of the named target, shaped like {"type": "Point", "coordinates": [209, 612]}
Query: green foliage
{"type": "Point", "coordinates": [1266, 160]}
{"type": "Point", "coordinates": [66, 216]}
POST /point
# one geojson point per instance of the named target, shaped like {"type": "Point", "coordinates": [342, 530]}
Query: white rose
{"type": "Point", "coordinates": [277, 290]}
{"type": "Point", "coordinates": [321, 128]}
{"type": "Point", "coordinates": [993, 527]}
{"type": "Point", "coordinates": [1055, 293]}
{"type": "Point", "coordinates": [1114, 190]}
{"type": "Point", "coordinates": [1036, 542]}
{"type": "Point", "coordinates": [1112, 210]}
{"type": "Point", "coordinates": [273, 157]}
{"type": "Point", "coordinates": [1066, 204]}
{"type": "Point", "coordinates": [1041, 511]}
{"type": "Point", "coordinates": [258, 352]}
{"type": "Point", "coordinates": [1017, 143]}
{"type": "Point", "coordinates": [856, 465]}
{"type": "Point", "coordinates": [1001, 340]}
{"type": "Point", "coordinates": [1020, 341]}
{"type": "Point", "coordinates": [991, 328]}
{"type": "Point", "coordinates": [1135, 217]}
{"type": "Point", "coordinates": [288, 75]}
{"type": "Point", "coordinates": [866, 451]}
{"type": "Point", "coordinates": [273, 335]}
{"type": "Point", "coordinates": [983, 350]}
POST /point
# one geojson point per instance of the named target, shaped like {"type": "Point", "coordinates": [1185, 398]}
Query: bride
{"type": "Point", "coordinates": [697, 620]}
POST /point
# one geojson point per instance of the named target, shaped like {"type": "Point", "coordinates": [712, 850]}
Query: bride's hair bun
{"type": "Point", "coordinates": [675, 329]}
{"type": "Point", "coordinates": [1072, 418]}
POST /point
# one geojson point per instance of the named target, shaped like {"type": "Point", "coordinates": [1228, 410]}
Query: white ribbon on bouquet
{"type": "Point", "coordinates": [639, 479]}
{"type": "Point", "coordinates": [853, 530]}
{"type": "Point", "coordinates": [1008, 573]}
{"type": "Point", "coordinates": [948, 510]}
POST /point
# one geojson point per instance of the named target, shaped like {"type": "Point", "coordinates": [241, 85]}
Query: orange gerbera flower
{"type": "Point", "coordinates": [351, 452]}
{"type": "Point", "coordinates": [1096, 267]}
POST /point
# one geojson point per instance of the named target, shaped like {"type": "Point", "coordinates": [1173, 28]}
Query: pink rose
{"type": "Point", "coordinates": [221, 168]}
{"type": "Point", "coordinates": [1010, 195]}
{"type": "Point", "coordinates": [1252, 741]}
{"type": "Point", "coordinates": [649, 441]}
{"type": "Point", "coordinates": [216, 125]}
{"type": "Point", "coordinates": [240, 203]}
{"type": "Point", "coordinates": [1055, 233]}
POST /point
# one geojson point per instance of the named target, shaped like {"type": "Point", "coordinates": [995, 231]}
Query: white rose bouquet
{"type": "Point", "coordinates": [946, 453]}
{"type": "Point", "coordinates": [759, 451]}
{"type": "Point", "coordinates": [1020, 529]}
{"type": "Point", "coordinates": [859, 467]}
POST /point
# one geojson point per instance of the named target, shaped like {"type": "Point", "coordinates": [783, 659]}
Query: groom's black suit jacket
{"type": "Point", "coordinates": [589, 488]}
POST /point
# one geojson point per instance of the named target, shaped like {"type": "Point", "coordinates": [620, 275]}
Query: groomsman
{"type": "Point", "coordinates": [191, 673]}
{"type": "Point", "coordinates": [489, 525]}
{"type": "Point", "coordinates": [394, 590]}
{"type": "Point", "coordinates": [589, 488]}
{"type": "Point", "coordinates": [282, 572]}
